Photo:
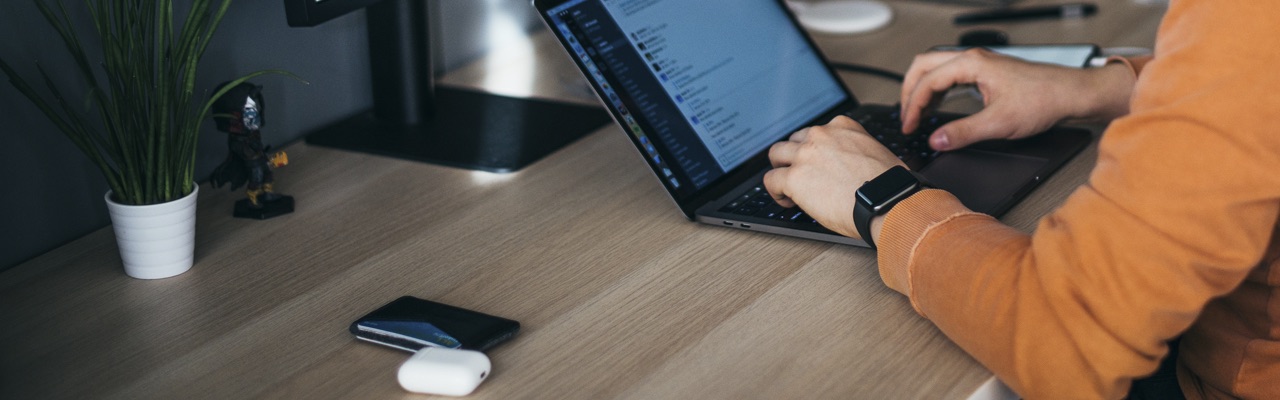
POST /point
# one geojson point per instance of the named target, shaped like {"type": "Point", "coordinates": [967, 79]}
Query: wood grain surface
{"type": "Point", "coordinates": [619, 296]}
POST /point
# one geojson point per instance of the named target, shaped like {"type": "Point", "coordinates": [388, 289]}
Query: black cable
{"type": "Point", "coordinates": [863, 69]}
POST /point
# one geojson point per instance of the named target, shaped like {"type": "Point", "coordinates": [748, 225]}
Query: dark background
{"type": "Point", "coordinates": [52, 194]}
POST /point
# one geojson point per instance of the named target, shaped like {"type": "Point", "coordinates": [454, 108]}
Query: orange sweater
{"type": "Point", "coordinates": [1178, 229]}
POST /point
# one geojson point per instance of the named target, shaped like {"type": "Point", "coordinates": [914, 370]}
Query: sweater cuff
{"type": "Point", "coordinates": [1135, 64]}
{"type": "Point", "coordinates": [904, 227]}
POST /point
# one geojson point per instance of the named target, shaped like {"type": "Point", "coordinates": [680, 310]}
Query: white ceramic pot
{"type": "Point", "coordinates": [158, 240]}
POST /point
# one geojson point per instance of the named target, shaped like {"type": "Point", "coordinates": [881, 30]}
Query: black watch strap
{"type": "Point", "coordinates": [862, 216]}
{"type": "Point", "coordinates": [877, 196]}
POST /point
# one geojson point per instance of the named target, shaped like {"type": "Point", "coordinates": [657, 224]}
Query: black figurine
{"type": "Point", "coordinates": [241, 114]}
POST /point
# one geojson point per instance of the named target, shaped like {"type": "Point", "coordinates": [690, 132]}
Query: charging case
{"type": "Point", "coordinates": [449, 372]}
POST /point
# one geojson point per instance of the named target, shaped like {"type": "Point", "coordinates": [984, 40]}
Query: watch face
{"type": "Point", "coordinates": [887, 187]}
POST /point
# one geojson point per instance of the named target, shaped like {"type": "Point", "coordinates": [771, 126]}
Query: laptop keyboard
{"type": "Point", "coordinates": [912, 149]}
{"type": "Point", "coordinates": [886, 127]}
{"type": "Point", "coordinates": [757, 202]}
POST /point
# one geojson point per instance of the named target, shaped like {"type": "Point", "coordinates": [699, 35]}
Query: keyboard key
{"type": "Point", "coordinates": [912, 149]}
{"type": "Point", "coordinates": [770, 211]}
{"type": "Point", "coordinates": [789, 214]}
{"type": "Point", "coordinates": [731, 206]}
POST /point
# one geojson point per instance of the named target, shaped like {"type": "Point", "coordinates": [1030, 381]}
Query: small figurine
{"type": "Point", "coordinates": [241, 114]}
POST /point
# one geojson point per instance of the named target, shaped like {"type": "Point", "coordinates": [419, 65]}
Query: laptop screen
{"type": "Point", "coordinates": [701, 86]}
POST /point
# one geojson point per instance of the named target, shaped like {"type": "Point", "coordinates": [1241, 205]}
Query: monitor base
{"type": "Point", "coordinates": [471, 130]}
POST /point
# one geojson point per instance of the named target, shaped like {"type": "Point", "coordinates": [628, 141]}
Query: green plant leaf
{"type": "Point", "coordinates": [146, 124]}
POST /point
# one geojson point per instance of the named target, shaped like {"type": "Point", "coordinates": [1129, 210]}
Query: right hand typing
{"type": "Point", "coordinates": [1020, 98]}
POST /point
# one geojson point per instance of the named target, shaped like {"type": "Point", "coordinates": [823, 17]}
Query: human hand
{"type": "Point", "coordinates": [1021, 98]}
{"type": "Point", "coordinates": [820, 169]}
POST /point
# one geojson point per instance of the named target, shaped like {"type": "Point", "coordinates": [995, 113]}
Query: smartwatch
{"type": "Point", "coordinates": [878, 195]}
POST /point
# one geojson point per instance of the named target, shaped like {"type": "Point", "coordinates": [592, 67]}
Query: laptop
{"type": "Point", "coordinates": [704, 88]}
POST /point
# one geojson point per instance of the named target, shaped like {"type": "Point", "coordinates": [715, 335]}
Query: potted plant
{"type": "Point", "coordinates": [139, 120]}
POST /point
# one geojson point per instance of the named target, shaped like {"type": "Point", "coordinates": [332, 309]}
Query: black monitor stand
{"type": "Point", "coordinates": [413, 119]}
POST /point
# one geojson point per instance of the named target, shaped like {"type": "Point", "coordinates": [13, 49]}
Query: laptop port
{"type": "Point", "coordinates": [746, 226]}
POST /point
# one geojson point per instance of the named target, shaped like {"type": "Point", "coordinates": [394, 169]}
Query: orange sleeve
{"type": "Point", "coordinates": [1135, 64]}
{"type": "Point", "coordinates": [1179, 208]}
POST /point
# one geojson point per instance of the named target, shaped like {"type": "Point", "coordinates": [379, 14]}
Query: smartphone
{"type": "Point", "coordinates": [409, 323]}
{"type": "Point", "coordinates": [1067, 55]}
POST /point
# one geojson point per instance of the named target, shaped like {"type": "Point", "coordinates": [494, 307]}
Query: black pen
{"type": "Point", "coordinates": [1060, 11]}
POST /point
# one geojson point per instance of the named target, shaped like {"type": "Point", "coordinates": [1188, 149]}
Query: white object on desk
{"type": "Point", "coordinates": [993, 389]}
{"type": "Point", "coordinates": [449, 372]}
{"type": "Point", "coordinates": [842, 16]}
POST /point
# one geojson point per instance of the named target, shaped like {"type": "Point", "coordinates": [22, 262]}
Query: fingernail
{"type": "Point", "coordinates": [940, 140]}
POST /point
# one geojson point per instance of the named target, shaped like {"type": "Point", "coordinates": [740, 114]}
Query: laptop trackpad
{"type": "Point", "coordinates": [985, 182]}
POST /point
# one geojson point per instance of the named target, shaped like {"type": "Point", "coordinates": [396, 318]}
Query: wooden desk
{"type": "Point", "coordinates": [619, 296]}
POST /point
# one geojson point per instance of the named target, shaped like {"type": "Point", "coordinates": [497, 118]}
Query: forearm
{"type": "Point", "coordinates": [1031, 330]}
{"type": "Point", "coordinates": [1077, 311]}
{"type": "Point", "coordinates": [1086, 304]}
{"type": "Point", "coordinates": [1181, 206]}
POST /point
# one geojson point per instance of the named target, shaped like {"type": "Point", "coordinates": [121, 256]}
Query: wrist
{"type": "Point", "coordinates": [1108, 93]}
{"type": "Point", "coordinates": [876, 197]}
{"type": "Point", "coordinates": [877, 225]}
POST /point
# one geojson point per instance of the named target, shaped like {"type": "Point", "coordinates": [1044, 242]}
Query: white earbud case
{"type": "Point", "coordinates": [449, 372]}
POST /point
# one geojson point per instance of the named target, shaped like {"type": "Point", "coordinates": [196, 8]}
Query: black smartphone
{"type": "Point", "coordinates": [1067, 55]}
{"type": "Point", "coordinates": [410, 323]}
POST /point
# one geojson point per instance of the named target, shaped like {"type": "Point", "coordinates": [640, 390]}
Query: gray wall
{"type": "Point", "coordinates": [53, 194]}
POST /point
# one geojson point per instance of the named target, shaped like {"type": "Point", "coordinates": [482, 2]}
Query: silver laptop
{"type": "Point", "coordinates": [704, 88]}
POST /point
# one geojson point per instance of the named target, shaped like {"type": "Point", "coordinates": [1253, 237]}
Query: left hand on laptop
{"type": "Point", "coordinates": [820, 169]}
